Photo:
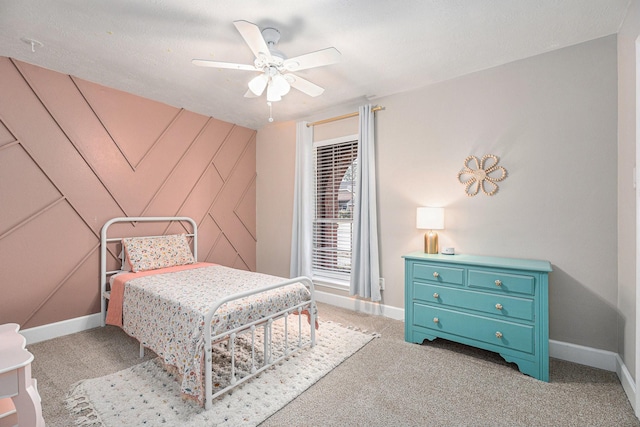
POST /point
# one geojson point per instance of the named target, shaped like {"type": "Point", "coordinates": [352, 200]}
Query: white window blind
{"type": "Point", "coordinates": [335, 164]}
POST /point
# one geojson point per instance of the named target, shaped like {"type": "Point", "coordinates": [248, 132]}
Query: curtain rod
{"type": "Point", "coordinates": [344, 116]}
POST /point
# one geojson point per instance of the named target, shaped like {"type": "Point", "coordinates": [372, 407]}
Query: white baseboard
{"type": "Point", "coordinates": [59, 329]}
{"type": "Point", "coordinates": [628, 383]}
{"type": "Point", "coordinates": [601, 359]}
{"type": "Point", "coordinates": [363, 306]}
{"type": "Point", "coordinates": [588, 356]}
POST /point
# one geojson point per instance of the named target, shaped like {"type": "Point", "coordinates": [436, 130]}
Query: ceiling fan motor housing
{"type": "Point", "coordinates": [272, 37]}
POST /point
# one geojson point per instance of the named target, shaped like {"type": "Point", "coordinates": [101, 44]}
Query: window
{"type": "Point", "coordinates": [335, 167]}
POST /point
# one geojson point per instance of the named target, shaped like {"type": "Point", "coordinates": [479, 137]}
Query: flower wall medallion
{"type": "Point", "coordinates": [482, 174]}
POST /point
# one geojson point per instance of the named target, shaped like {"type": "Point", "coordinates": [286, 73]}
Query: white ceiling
{"type": "Point", "coordinates": [387, 46]}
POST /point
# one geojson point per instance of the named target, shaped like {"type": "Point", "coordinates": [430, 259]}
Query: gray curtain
{"type": "Point", "coordinates": [302, 232]}
{"type": "Point", "coordinates": [365, 267]}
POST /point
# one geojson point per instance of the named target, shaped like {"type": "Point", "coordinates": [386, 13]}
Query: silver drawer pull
{"type": "Point", "coordinates": [436, 320]}
{"type": "Point", "coordinates": [436, 274]}
{"type": "Point", "coordinates": [498, 334]}
{"type": "Point", "coordinates": [436, 295]}
{"type": "Point", "coordinates": [498, 283]}
{"type": "Point", "coordinates": [498, 306]}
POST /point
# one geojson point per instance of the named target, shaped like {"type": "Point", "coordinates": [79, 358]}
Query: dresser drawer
{"type": "Point", "coordinates": [490, 331]}
{"type": "Point", "coordinates": [502, 282]}
{"type": "Point", "coordinates": [438, 273]}
{"type": "Point", "coordinates": [499, 305]}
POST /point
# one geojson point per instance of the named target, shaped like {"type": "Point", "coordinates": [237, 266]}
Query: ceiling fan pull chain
{"type": "Point", "coordinates": [270, 113]}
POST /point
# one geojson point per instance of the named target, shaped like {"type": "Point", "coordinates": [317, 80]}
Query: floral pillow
{"type": "Point", "coordinates": [149, 253]}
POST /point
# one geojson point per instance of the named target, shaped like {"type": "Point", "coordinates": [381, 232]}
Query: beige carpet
{"type": "Point", "coordinates": [387, 383]}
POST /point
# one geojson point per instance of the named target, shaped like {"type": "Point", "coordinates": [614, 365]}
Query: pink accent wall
{"type": "Point", "coordinates": [74, 154]}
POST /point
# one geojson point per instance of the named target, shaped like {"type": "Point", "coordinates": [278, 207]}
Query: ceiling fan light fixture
{"type": "Point", "coordinates": [258, 84]}
{"type": "Point", "coordinates": [280, 84]}
{"type": "Point", "coordinates": [272, 93]}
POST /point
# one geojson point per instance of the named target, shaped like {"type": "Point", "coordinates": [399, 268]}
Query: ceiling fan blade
{"type": "Point", "coordinates": [253, 37]}
{"type": "Point", "coordinates": [218, 64]}
{"type": "Point", "coordinates": [303, 85]}
{"type": "Point", "coordinates": [327, 56]}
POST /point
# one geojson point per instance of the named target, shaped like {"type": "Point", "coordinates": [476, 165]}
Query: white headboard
{"type": "Point", "coordinates": [105, 239]}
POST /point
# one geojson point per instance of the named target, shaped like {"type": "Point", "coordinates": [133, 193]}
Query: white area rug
{"type": "Point", "coordinates": [147, 395]}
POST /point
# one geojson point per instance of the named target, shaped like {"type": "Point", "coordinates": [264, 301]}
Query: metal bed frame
{"type": "Point", "coordinates": [229, 336]}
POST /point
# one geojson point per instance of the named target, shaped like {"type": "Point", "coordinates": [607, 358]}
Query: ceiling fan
{"type": "Point", "coordinates": [275, 68]}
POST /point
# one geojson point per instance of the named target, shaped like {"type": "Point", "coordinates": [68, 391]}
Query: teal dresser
{"type": "Point", "coordinates": [498, 304]}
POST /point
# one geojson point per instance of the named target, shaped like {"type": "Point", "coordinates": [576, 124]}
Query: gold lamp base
{"type": "Point", "coordinates": [431, 242]}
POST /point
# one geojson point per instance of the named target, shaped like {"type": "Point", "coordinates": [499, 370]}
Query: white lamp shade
{"type": "Point", "coordinates": [272, 93]}
{"type": "Point", "coordinates": [430, 218]}
{"type": "Point", "coordinates": [280, 84]}
{"type": "Point", "coordinates": [257, 84]}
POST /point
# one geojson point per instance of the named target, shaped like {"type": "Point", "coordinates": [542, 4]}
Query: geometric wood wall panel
{"type": "Point", "coordinates": [123, 124]}
{"type": "Point", "coordinates": [24, 194]}
{"type": "Point", "coordinates": [42, 254]}
{"type": "Point", "coordinates": [74, 154]}
{"type": "Point", "coordinates": [246, 210]}
{"type": "Point", "coordinates": [5, 136]}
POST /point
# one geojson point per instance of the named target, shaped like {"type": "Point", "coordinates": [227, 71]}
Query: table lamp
{"type": "Point", "coordinates": [430, 219]}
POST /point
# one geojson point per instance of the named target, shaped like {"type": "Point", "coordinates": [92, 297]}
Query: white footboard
{"type": "Point", "coordinates": [265, 322]}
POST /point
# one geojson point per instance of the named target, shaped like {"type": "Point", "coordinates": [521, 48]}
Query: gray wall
{"type": "Point", "coordinates": [552, 121]}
